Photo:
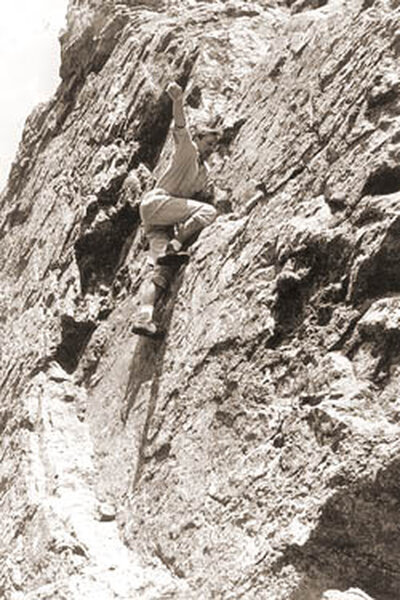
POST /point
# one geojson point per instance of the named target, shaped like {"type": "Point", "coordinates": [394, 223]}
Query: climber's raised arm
{"type": "Point", "coordinates": [175, 92]}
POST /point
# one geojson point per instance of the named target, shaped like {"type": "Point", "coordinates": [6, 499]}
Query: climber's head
{"type": "Point", "coordinates": [206, 140]}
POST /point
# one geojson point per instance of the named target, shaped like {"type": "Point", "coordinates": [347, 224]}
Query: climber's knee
{"type": "Point", "coordinates": [204, 215]}
{"type": "Point", "coordinates": [210, 213]}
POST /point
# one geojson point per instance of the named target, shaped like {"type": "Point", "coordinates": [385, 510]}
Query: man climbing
{"type": "Point", "coordinates": [171, 207]}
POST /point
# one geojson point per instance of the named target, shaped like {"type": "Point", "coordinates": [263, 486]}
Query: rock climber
{"type": "Point", "coordinates": [170, 213]}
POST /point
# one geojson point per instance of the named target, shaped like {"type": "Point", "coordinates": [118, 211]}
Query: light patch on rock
{"type": "Point", "coordinates": [351, 594]}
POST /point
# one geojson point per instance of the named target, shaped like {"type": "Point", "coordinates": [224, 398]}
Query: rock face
{"type": "Point", "coordinates": [254, 453]}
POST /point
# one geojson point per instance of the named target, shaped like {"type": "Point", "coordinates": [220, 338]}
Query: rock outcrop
{"type": "Point", "coordinates": [253, 453]}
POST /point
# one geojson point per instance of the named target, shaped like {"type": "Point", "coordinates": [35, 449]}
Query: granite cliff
{"type": "Point", "coordinates": [254, 453]}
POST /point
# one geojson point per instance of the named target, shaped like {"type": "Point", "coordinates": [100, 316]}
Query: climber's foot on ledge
{"type": "Point", "coordinates": [173, 256]}
{"type": "Point", "coordinates": [146, 328]}
{"type": "Point", "coordinates": [173, 259]}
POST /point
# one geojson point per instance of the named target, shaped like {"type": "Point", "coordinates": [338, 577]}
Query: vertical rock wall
{"type": "Point", "coordinates": [252, 453]}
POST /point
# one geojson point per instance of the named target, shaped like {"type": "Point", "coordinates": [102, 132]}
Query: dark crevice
{"type": "Point", "coordinates": [107, 195]}
{"type": "Point", "coordinates": [383, 281]}
{"type": "Point", "coordinates": [230, 133]}
{"type": "Point", "coordinates": [193, 99]}
{"type": "Point", "coordinates": [367, 4]}
{"type": "Point", "coordinates": [91, 50]}
{"type": "Point", "coordinates": [162, 453]}
{"type": "Point", "coordinates": [154, 129]}
{"type": "Point", "coordinates": [98, 252]}
{"type": "Point", "coordinates": [153, 132]}
{"type": "Point", "coordinates": [389, 352]}
{"type": "Point", "coordinates": [381, 99]}
{"type": "Point", "coordinates": [289, 309]}
{"type": "Point", "coordinates": [345, 336]}
{"type": "Point", "coordinates": [380, 275]}
{"type": "Point", "coordinates": [169, 562]}
{"type": "Point", "coordinates": [318, 264]}
{"type": "Point", "coordinates": [75, 337]}
{"type": "Point", "coordinates": [18, 215]}
{"type": "Point", "coordinates": [357, 539]}
{"type": "Point", "coordinates": [386, 180]}
{"type": "Point", "coordinates": [5, 416]}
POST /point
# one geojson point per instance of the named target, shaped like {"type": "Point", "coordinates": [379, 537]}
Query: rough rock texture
{"type": "Point", "coordinates": [254, 453]}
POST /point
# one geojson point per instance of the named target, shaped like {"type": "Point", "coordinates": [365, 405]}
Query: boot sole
{"type": "Point", "coordinates": [173, 260]}
{"type": "Point", "coordinates": [155, 335]}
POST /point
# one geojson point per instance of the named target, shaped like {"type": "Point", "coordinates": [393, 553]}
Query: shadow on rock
{"type": "Point", "coordinates": [147, 366]}
{"type": "Point", "coordinates": [357, 540]}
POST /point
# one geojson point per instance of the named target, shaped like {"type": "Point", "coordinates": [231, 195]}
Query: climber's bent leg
{"type": "Point", "coordinates": [157, 283]}
{"type": "Point", "coordinates": [143, 323]}
{"type": "Point", "coordinates": [160, 209]}
{"type": "Point", "coordinates": [199, 215]}
{"type": "Point", "coordinates": [157, 280]}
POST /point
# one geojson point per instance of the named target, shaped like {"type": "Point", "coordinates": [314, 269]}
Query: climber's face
{"type": "Point", "coordinates": [206, 144]}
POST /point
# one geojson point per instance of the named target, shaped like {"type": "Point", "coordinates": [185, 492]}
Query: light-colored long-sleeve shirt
{"type": "Point", "coordinates": [185, 175]}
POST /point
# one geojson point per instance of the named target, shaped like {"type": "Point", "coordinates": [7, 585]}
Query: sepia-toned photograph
{"type": "Point", "coordinates": [200, 300]}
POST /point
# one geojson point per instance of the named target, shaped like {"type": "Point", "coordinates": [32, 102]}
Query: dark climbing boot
{"type": "Point", "coordinates": [173, 257]}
